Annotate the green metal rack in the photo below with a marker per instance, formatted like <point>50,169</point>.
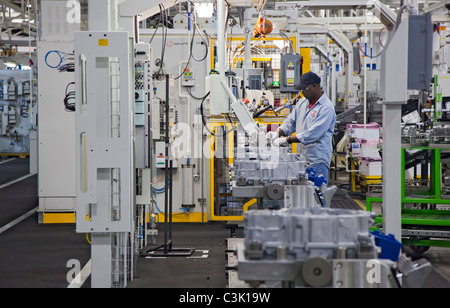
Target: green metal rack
<point>422,227</point>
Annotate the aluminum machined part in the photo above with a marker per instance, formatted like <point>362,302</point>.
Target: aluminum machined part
<point>277,177</point>
<point>439,136</point>
<point>312,247</point>
<point>300,196</point>
<point>317,272</point>
<point>307,232</point>
<point>268,165</point>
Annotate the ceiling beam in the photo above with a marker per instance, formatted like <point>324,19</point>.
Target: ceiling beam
<point>15,7</point>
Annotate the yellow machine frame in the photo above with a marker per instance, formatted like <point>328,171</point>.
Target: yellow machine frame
<point>306,53</point>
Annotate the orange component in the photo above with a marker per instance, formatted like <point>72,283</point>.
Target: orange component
<point>263,27</point>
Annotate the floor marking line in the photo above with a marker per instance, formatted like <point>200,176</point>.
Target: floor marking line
<point>361,205</point>
<point>17,220</point>
<point>8,160</point>
<point>81,277</point>
<point>17,180</point>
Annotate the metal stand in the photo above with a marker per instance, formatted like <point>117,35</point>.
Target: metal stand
<point>166,250</point>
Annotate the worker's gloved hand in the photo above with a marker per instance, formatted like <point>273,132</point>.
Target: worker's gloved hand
<point>280,141</point>
<point>271,136</point>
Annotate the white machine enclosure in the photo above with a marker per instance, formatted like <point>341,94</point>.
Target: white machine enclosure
<point>185,109</point>
<point>104,132</point>
<point>56,135</point>
<point>56,127</point>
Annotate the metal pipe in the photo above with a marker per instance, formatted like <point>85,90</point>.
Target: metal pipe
<point>248,37</point>
<point>202,172</point>
<point>221,38</point>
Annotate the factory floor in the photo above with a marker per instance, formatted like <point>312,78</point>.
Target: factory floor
<point>34,255</point>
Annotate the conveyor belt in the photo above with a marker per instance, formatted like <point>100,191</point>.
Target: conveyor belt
<point>342,201</point>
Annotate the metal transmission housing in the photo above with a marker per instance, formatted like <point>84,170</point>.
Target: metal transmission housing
<point>311,247</point>
<point>256,165</point>
<point>307,232</point>
<point>278,178</point>
<point>265,172</point>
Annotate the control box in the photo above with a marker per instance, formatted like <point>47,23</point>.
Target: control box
<point>188,78</point>
<point>160,155</point>
<point>290,72</point>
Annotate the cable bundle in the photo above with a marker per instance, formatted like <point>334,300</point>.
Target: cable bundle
<point>66,61</point>
<point>69,96</point>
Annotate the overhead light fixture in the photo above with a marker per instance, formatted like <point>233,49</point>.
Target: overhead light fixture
<point>204,10</point>
<point>10,64</point>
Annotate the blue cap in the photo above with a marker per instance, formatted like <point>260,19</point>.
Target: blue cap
<point>306,80</point>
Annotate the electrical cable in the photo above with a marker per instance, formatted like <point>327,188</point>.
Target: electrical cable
<point>193,96</point>
<point>156,30</point>
<point>159,210</point>
<point>379,37</point>
<point>60,58</point>
<point>203,116</point>
<point>164,20</point>
<point>156,205</point>
<point>204,119</point>
<point>69,107</point>
<point>291,46</point>
<point>164,40</point>
<point>397,24</point>
<point>195,25</point>
<point>63,56</point>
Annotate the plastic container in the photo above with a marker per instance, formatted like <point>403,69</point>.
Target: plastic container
<point>370,167</point>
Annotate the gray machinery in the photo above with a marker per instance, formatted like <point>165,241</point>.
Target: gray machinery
<point>252,78</point>
<point>406,65</point>
<point>294,240</point>
<point>277,177</point>
<point>261,174</point>
<point>319,247</point>
<point>110,74</point>
<point>106,171</point>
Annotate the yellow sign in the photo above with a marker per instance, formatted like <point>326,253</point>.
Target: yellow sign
<point>103,43</point>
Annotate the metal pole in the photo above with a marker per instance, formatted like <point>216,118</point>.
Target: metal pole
<point>392,200</point>
<point>101,243</point>
<point>248,38</point>
<point>166,166</point>
<point>365,75</point>
<point>170,205</point>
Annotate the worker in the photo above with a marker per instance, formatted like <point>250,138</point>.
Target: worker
<point>312,120</point>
